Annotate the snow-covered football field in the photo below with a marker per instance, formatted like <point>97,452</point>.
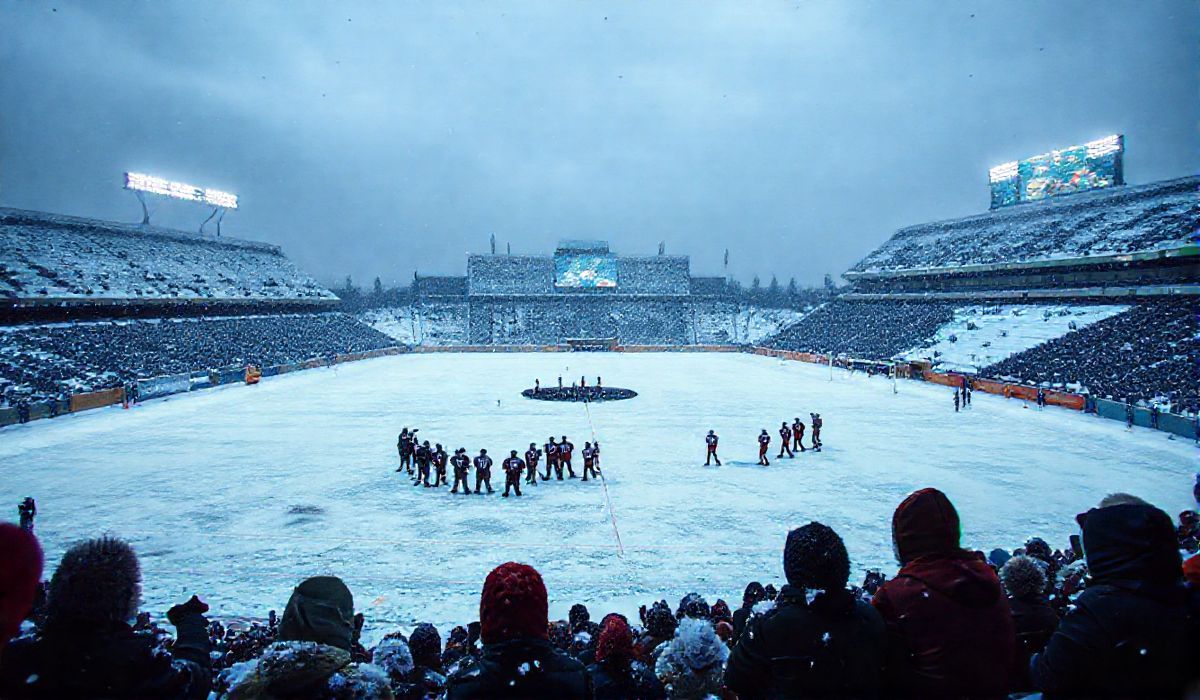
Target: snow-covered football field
<point>240,492</point>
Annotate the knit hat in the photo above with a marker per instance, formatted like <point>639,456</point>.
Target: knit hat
<point>720,611</point>
<point>578,616</point>
<point>694,605</point>
<point>320,610</point>
<point>998,557</point>
<point>659,621</point>
<point>815,557</point>
<point>97,583</point>
<point>1191,569</point>
<point>393,655</point>
<point>754,593</point>
<point>1022,577</point>
<point>426,646</point>
<point>19,577</point>
<point>925,523</point>
<point>616,641</point>
<point>513,604</point>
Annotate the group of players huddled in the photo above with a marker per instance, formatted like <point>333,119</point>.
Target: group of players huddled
<point>792,437</point>
<point>423,462</point>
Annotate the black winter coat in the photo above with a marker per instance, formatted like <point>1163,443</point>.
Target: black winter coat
<point>740,616</point>
<point>833,647</point>
<point>521,668</point>
<point>624,681</point>
<point>111,663</point>
<point>1035,621</point>
<point>1130,633</point>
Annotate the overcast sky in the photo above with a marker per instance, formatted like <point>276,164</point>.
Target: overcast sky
<point>375,138</point>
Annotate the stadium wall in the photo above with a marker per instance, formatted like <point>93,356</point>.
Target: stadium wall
<point>159,387</point>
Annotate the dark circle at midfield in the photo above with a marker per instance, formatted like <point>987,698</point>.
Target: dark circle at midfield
<point>591,394</point>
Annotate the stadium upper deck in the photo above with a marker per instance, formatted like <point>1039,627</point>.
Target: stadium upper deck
<point>51,259</point>
<point>1144,221</point>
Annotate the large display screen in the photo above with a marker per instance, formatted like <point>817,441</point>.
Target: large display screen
<point>1093,165</point>
<point>583,270</point>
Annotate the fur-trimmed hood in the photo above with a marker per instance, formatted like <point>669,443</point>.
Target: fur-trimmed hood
<point>692,663</point>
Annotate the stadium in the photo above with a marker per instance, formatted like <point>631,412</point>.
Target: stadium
<point>155,329</point>
<point>965,469</point>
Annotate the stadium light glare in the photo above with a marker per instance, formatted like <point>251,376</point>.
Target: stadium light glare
<point>141,182</point>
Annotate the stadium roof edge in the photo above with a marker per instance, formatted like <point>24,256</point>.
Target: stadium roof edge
<point>26,217</point>
<point>1108,293</point>
<point>1070,201</point>
<point>1184,251</point>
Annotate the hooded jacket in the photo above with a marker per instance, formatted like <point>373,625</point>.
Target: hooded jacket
<point>310,670</point>
<point>831,647</point>
<point>1129,634</point>
<point>950,632</point>
<point>692,665</point>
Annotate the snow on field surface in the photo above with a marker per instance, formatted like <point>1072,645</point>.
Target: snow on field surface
<point>1003,330</point>
<point>240,492</point>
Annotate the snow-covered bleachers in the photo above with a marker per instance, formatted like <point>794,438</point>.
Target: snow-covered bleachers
<point>875,330</point>
<point>1104,222</point>
<point>59,359</point>
<point>984,334</point>
<point>54,257</point>
<point>1147,352</point>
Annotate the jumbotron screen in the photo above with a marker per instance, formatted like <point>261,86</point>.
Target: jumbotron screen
<point>1093,165</point>
<point>584,270</point>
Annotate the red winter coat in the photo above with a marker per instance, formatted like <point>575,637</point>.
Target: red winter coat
<point>950,631</point>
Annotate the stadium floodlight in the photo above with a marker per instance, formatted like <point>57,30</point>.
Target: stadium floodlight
<point>219,200</point>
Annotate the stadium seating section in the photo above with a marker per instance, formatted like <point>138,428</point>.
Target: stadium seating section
<point>1145,217</point>
<point>48,256</point>
<point>43,361</point>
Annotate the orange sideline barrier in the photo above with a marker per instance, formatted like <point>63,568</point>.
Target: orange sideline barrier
<point>96,399</point>
<point>253,374</point>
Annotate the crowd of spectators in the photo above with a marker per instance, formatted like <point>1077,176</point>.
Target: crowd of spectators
<point>49,256</point>
<point>1115,614</point>
<point>1148,353</point>
<point>869,330</point>
<point>42,362</point>
<point>1119,220</point>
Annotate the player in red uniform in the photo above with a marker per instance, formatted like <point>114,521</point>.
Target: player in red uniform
<point>711,440</point>
<point>552,460</point>
<point>589,461</point>
<point>764,441</point>
<point>532,455</point>
<point>798,435</point>
<point>565,448</point>
<point>785,436</point>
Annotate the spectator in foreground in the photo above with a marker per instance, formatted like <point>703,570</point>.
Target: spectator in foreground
<point>1033,617</point>
<point>312,658</point>
<point>616,675</point>
<point>517,660</point>
<point>20,578</point>
<point>832,646</point>
<point>87,647</point>
<point>691,665</point>
<point>950,632</point>
<point>1129,634</point>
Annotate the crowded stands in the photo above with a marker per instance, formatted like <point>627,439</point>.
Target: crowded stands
<point>1146,353</point>
<point>1114,614</point>
<point>870,330</point>
<point>39,362</point>
<point>54,257</point>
